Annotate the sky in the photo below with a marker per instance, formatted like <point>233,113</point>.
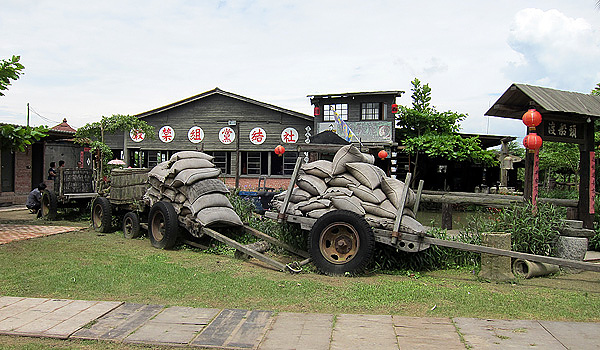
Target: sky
<point>87,59</point>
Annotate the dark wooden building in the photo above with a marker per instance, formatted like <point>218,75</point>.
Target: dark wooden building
<point>367,114</point>
<point>241,133</point>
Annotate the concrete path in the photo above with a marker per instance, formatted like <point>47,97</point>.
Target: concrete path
<point>248,329</point>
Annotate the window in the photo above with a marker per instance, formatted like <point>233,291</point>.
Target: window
<point>222,160</point>
<point>370,111</point>
<point>284,164</point>
<point>156,157</point>
<point>289,162</point>
<point>340,108</point>
<point>255,163</point>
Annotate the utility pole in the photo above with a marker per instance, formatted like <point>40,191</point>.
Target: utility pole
<point>27,113</point>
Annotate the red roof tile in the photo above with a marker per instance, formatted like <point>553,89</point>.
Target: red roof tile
<point>64,127</point>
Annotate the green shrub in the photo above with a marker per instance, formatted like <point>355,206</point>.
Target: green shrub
<point>534,234</point>
<point>388,259</point>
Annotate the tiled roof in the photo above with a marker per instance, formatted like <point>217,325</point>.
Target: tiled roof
<point>64,127</point>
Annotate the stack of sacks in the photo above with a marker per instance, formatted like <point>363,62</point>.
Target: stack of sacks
<point>189,182</point>
<point>350,182</point>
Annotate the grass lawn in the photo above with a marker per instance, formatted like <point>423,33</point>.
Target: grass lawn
<point>87,265</point>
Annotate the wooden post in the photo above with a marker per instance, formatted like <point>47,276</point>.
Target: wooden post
<point>585,206</point>
<point>447,216</point>
<point>528,181</point>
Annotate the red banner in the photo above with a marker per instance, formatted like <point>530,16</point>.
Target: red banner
<point>592,181</point>
<point>536,178</point>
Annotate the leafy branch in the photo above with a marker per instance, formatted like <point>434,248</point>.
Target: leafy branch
<point>9,70</point>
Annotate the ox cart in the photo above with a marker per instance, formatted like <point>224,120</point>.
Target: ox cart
<point>342,241</point>
<point>73,188</point>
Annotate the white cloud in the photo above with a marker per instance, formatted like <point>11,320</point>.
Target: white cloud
<point>556,50</point>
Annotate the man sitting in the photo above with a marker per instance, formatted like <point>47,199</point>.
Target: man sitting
<point>34,199</point>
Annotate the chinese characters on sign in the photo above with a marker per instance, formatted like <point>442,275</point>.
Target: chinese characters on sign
<point>195,134</point>
<point>289,135</point>
<point>166,134</point>
<point>137,135</point>
<point>563,130</point>
<point>258,136</point>
<point>226,135</point>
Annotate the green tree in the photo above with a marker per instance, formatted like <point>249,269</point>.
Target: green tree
<point>596,90</point>
<point>559,158</point>
<point>92,134</point>
<point>16,137</point>
<point>9,70</point>
<point>425,131</point>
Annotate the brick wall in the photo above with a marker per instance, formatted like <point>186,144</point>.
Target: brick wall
<point>251,183</point>
<point>22,180</point>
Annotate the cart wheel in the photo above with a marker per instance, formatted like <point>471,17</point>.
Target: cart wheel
<point>131,225</point>
<point>101,214</point>
<point>49,204</point>
<point>341,242</point>
<point>163,226</point>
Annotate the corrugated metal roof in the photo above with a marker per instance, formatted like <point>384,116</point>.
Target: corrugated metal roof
<point>228,94</point>
<point>397,93</point>
<point>519,97</point>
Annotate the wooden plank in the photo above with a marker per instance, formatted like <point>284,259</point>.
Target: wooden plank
<point>275,241</point>
<point>174,325</point>
<point>230,242</point>
<point>64,329</point>
<point>235,328</point>
<point>20,306</point>
<point>502,252</point>
<point>119,323</point>
<point>50,320</point>
<point>290,189</point>
<point>419,193</point>
<point>31,315</point>
<point>400,213</point>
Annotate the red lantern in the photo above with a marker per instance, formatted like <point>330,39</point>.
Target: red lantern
<point>279,150</point>
<point>382,154</point>
<point>394,108</point>
<point>532,142</point>
<point>317,111</point>
<point>532,118</point>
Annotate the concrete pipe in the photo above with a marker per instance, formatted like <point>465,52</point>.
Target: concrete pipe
<point>528,269</point>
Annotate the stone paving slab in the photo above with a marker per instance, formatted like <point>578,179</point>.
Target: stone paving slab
<point>574,335</point>
<point>119,323</point>
<point>173,326</point>
<point>363,332</point>
<point>426,333</point>
<point>290,331</point>
<point>506,334</point>
<point>234,328</point>
<point>10,232</point>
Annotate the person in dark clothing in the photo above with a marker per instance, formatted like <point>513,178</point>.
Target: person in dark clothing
<point>34,199</point>
<point>52,171</point>
<point>61,164</point>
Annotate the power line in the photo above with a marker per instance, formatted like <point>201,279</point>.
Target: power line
<point>41,116</point>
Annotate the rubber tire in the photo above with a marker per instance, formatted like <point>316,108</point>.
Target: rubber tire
<point>49,205</point>
<point>163,214</point>
<point>131,225</point>
<point>366,240</point>
<point>101,214</point>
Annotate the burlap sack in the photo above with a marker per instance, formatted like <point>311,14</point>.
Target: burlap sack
<point>336,191</point>
<point>160,171</point>
<point>311,184</point>
<point>189,154</point>
<point>393,190</point>
<point>189,163</point>
<point>208,200</point>
<point>346,154</point>
<point>342,180</point>
<point>189,176</point>
<point>314,204</point>
<point>368,195</point>
<point>218,216</point>
<point>348,203</point>
<point>367,174</point>
<point>202,187</point>
<point>384,209</point>
<point>319,168</point>
<point>317,213</point>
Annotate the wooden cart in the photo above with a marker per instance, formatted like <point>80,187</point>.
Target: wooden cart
<point>343,242</point>
<point>125,201</point>
<point>73,188</point>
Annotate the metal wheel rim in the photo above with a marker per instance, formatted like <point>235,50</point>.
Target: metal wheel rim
<point>158,227</point>
<point>339,242</point>
<point>97,215</point>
